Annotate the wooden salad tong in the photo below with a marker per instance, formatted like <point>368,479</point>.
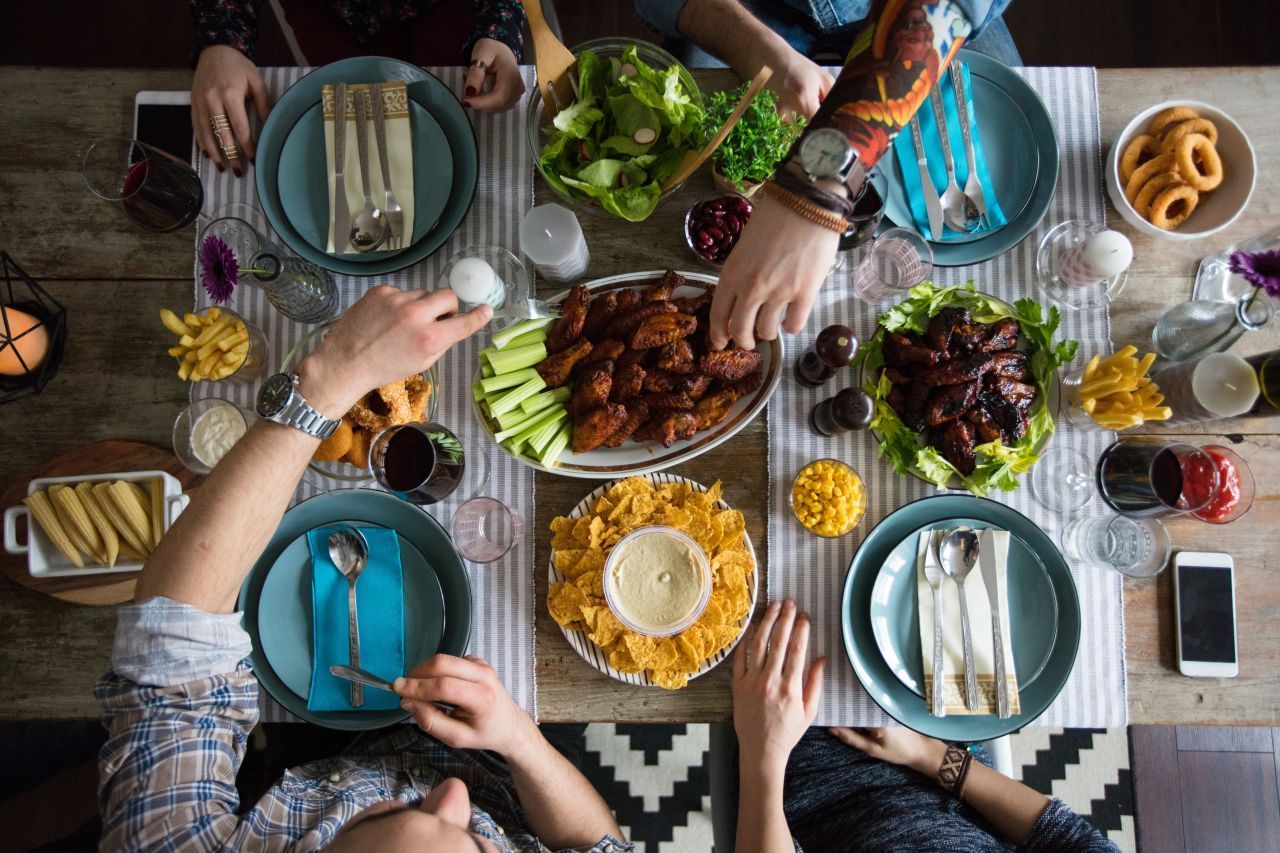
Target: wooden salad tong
<point>553,62</point>
<point>693,159</point>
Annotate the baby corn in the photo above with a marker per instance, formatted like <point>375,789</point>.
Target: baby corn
<point>45,516</point>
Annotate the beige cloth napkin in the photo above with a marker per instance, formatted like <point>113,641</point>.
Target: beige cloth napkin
<point>979,620</point>
<point>395,104</point>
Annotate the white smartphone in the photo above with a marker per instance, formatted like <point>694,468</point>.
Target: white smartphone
<point>1204,600</point>
<point>163,120</point>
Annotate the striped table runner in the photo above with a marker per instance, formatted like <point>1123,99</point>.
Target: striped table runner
<point>502,592</point>
<point>812,570</point>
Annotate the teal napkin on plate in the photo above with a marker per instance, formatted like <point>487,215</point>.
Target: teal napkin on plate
<point>380,611</point>
<point>905,151</point>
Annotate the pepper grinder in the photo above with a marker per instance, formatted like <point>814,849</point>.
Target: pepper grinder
<point>849,410</point>
<point>833,349</point>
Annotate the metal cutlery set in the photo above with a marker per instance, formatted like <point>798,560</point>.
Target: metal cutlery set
<point>963,211</point>
<point>953,553</point>
<point>374,227</point>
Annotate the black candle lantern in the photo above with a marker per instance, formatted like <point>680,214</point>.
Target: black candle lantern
<point>33,333</point>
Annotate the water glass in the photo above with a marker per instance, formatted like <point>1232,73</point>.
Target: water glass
<point>156,189</point>
<point>897,261</point>
<point>484,529</point>
<point>1137,547</point>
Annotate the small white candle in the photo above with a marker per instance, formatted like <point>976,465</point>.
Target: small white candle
<point>1219,385</point>
<point>551,237</point>
<point>1108,254</point>
<point>474,282</point>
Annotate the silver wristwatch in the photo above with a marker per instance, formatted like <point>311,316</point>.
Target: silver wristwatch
<point>280,400</point>
<point>827,153</point>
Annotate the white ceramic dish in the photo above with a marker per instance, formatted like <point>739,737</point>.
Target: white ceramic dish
<point>1216,209</point>
<point>638,458</point>
<point>44,560</point>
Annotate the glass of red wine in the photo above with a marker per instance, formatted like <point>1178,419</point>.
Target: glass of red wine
<point>422,463</point>
<point>156,189</point>
<point>1151,478</point>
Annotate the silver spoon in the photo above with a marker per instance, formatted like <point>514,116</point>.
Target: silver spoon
<point>369,231</point>
<point>958,554</point>
<point>956,206</point>
<point>350,553</point>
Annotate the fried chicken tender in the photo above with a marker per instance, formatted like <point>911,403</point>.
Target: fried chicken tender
<point>602,311</point>
<point>336,445</point>
<point>591,429</point>
<point>592,387</point>
<point>668,428</point>
<point>573,316</point>
<point>662,329</point>
<point>730,364</point>
<point>661,290</point>
<point>637,414</point>
<point>628,382</point>
<point>556,369</point>
<point>714,408</point>
<point>626,322</point>
<point>676,356</point>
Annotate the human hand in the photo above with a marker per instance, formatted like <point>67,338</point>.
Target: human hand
<point>776,268</point>
<point>897,745</point>
<point>225,78</point>
<point>385,336</point>
<point>492,58</point>
<point>484,715</point>
<point>800,84</point>
<point>775,694</point>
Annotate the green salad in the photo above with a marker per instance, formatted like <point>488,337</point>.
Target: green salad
<point>623,136</point>
<point>998,465</point>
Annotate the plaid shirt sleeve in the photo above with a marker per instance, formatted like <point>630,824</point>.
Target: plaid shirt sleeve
<point>178,706</point>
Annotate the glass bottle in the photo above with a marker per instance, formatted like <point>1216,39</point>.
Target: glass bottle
<point>1203,326</point>
<point>1267,364</point>
<point>299,289</point>
<point>1215,280</point>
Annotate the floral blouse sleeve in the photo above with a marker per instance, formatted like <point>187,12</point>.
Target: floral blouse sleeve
<point>501,20</point>
<point>230,22</point>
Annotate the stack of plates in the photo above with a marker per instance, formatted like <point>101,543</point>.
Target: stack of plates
<point>291,167</point>
<point>1021,150</point>
<point>879,615</point>
<point>276,598</point>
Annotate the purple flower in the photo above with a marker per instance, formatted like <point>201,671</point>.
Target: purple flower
<point>219,269</point>
<point>1261,269</point>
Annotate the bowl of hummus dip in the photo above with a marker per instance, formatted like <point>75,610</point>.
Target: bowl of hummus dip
<point>657,581</point>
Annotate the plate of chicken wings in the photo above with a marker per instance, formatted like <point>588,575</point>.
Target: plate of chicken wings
<point>647,391</point>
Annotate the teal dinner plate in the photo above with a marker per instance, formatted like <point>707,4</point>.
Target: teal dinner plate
<point>354,506</point>
<point>306,201</point>
<point>877,677</point>
<point>286,637</point>
<point>1021,148</point>
<point>427,91</point>
<point>895,608</point>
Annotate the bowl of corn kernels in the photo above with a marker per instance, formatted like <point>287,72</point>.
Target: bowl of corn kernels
<point>828,498</point>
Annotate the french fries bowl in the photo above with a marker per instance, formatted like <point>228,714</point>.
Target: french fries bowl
<point>1113,392</point>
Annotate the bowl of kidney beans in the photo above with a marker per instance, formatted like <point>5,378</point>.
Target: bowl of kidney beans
<point>713,224</point>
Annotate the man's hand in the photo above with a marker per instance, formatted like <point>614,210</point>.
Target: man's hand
<point>484,715</point>
<point>775,270</point>
<point>775,692</point>
<point>798,82</point>
<point>387,335</point>
<point>225,79</point>
<point>896,745</point>
<point>491,59</point>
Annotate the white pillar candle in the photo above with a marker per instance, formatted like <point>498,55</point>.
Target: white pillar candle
<point>1101,257</point>
<point>474,282</point>
<point>1219,385</point>
<point>551,237</point>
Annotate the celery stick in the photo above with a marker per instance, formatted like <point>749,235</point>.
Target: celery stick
<point>507,380</point>
<point>514,418</point>
<point>525,426</point>
<point>502,338</point>
<point>477,393</point>
<point>515,445</point>
<point>537,336</point>
<point>516,396</point>
<point>546,398</point>
<point>486,369</point>
<point>556,446</point>
<point>517,358</point>
<point>539,440</point>
<point>529,428</point>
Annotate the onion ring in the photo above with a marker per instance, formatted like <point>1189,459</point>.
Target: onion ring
<point>1144,173</point>
<point>1166,199</point>
<point>1150,189</point>
<point>1164,118</point>
<point>1132,157</point>
<point>1203,126</point>
<point>384,407</point>
<point>1188,147</point>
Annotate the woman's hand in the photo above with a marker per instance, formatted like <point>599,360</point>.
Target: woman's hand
<point>799,83</point>
<point>896,745</point>
<point>225,79</point>
<point>484,715</point>
<point>491,59</point>
<point>775,270</point>
<point>775,692</point>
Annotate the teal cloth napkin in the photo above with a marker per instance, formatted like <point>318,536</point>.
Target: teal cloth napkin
<point>905,151</point>
<point>380,611</point>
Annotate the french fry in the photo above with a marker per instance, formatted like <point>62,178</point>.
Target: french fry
<point>1091,369</point>
<point>192,320</point>
<point>173,324</point>
<point>44,515</point>
<point>102,491</point>
<point>1128,351</point>
<point>184,370</point>
<point>186,341</point>
<point>157,510</point>
<point>1117,392</point>
<point>107,532</point>
<point>214,313</point>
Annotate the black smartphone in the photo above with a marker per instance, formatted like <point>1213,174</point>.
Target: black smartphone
<point>163,120</point>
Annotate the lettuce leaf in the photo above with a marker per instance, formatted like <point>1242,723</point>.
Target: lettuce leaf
<point>602,173</point>
<point>577,120</point>
<point>632,203</point>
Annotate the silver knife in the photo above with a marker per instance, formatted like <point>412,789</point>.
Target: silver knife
<point>360,676</point>
<point>932,204</point>
<point>341,216</point>
<point>987,565</point>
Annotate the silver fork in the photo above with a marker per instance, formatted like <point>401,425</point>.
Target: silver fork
<point>530,309</point>
<point>390,207</point>
<point>972,186</point>
<point>954,204</point>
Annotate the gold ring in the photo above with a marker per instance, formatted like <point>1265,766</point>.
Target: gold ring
<point>484,66</point>
<point>220,122</point>
<point>231,152</point>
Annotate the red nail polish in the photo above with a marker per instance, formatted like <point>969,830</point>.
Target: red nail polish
<point>471,92</point>
<point>221,168</point>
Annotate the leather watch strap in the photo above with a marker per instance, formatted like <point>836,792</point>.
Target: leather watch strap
<point>838,203</point>
<point>806,208</point>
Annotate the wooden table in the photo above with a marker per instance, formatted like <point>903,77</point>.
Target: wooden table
<point>116,381</point>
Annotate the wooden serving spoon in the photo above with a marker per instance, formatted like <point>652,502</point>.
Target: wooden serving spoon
<point>693,159</point>
<point>553,62</point>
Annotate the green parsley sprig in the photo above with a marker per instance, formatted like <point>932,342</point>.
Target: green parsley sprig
<point>757,143</point>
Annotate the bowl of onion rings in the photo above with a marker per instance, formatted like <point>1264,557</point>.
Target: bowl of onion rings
<point>1181,170</point>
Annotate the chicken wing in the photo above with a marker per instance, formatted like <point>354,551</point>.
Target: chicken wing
<point>696,304</point>
<point>625,323</point>
<point>602,310</point>
<point>556,369</point>
<point>662,329</point>
<point>676,356</point>
<point>637,414</point>
<point>628,382</point>
<point>957,445</point>
<point>661,290</point>
<point>674,402</point>
<point>668,428</point>
<point>696,385</point>
<point>714,408</point>
<point>902,351</point>
<point>591,388</point>
<point>748,384</point>
<point>1003,335</point>
<point>950,402</point>
<point>573,315</point>
<point>730,364</point>
<point>592,428</point>
<point>604,350</point>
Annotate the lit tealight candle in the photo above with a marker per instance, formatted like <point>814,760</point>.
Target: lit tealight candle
<point>474,282</point>
<point>21,335</point>
<point>1100,258</point>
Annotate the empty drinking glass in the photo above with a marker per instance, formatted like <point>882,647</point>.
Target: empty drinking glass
<point>1137,547</point>
<point>157,190</point>
<point>485,529</point>
<point>897,261</point>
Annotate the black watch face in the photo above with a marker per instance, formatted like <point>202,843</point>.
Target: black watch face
<point>274,395</point>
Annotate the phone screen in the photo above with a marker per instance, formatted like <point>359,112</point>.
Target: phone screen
<point>167,127</point>
<point>1206,614</point>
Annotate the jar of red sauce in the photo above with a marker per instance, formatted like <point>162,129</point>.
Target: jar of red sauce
<point>1235,486</point>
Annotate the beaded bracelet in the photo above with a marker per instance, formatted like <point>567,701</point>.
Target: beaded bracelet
<point>806,208</point>
<point>955,769</point>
